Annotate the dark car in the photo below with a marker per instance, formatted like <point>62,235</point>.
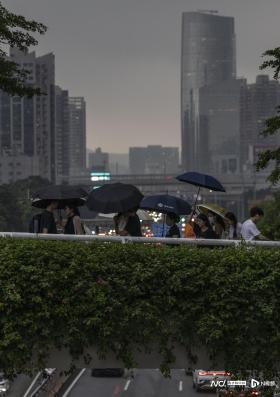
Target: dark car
<point>108,372</point>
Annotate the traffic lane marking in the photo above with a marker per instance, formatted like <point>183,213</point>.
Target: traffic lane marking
<point>127,385</point>
<point>181,385</point>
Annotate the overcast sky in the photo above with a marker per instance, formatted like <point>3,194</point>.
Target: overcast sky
<point>123,56</point>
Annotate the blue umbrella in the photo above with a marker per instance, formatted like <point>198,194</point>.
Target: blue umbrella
<point>165,203</point>
<point>201,180</point>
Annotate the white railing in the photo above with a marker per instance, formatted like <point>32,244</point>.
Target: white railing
<point>122,239</point>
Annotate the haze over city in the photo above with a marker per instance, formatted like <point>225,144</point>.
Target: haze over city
<point>123,56</point>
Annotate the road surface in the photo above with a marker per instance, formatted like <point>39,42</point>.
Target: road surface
<point>146,383</point>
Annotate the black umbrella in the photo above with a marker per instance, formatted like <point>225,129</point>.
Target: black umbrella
<point>114,197</point>
<point>165,203</point>
<point>64,194</point>
<point>201,180</point>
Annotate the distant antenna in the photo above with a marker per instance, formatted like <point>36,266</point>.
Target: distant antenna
<point>209,11</point>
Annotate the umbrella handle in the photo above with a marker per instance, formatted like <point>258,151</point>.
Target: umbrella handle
<point>163,226</point>
<point>195,202</point>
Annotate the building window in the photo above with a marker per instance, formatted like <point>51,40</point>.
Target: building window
<point>224,166</point>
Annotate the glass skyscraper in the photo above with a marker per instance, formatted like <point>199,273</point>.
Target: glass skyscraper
<point>207,58</point>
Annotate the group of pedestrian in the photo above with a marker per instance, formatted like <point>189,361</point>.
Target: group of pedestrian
<point>45,222</point>
<point>206,226</point>
<point>214,226</point>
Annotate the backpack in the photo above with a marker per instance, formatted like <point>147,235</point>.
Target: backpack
<point>35,224</point>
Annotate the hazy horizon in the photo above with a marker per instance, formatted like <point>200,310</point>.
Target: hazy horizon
<point>123,56</point>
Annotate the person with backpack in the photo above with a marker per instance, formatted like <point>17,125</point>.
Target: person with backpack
<point>73,224</point>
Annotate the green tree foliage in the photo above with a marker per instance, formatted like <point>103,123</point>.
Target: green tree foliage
<point>15,32</point>
<point>272,124</point>
<point>123,297</point>
<point>16,210</point>
<point>270,224</point>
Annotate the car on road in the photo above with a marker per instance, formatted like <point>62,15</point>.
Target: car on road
<point>209,380</point>
<point>112,372</point>
<point>4,385</point>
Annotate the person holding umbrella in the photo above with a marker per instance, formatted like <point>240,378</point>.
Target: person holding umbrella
<point>51,198</point>
<point>167,205</point>
<point>217,223</point>
<point>171,220</point>
<point>47,221</point>
<point>205,229</point>
<point>121,198</point>
<point>73,224</point>
<point>128,223</point>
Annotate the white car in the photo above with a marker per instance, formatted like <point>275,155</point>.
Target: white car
<point>4,385</point>
<point>209,380</point>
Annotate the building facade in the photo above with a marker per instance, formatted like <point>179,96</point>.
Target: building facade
<point>220,108</point>
<point>207,58</point>
<point>98,161</point>
<point>77,134</point>
<point>27,125</point>
<point>62,134</point>
<point>260,103</point>
<point>153,159</point>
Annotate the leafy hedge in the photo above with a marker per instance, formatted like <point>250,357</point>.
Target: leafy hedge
<point>118,296</point>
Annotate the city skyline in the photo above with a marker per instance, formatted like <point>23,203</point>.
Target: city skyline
<point>124,58</point>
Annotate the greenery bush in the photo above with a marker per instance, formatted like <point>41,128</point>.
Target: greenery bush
<point>118,296</point>
<point>270,224</point>
<point>16,210</point>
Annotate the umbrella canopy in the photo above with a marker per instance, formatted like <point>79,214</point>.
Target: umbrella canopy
<point>114,197</point>
<point>65,194</point>
<point>142,214</point>
<point>165,203</point>
<point>213,208</point>
<point>201,180</point>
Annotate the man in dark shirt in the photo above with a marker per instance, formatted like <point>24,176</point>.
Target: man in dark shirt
<point>47,222</point>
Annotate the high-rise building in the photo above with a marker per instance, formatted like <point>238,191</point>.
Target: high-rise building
<point>77,137</point>
<point>261,101</point>
<point>27,125</point>
<point>154,159</point>
<point>207,58</point>
<point>62,134</point>
<point>119,163</point>
<point>220,108</point>
<point>137,160</point>
<point>99,161</point>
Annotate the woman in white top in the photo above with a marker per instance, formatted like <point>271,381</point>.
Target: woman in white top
<point>233,227</point>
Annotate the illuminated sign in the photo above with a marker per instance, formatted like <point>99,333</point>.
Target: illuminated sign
<point>100,176</point>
